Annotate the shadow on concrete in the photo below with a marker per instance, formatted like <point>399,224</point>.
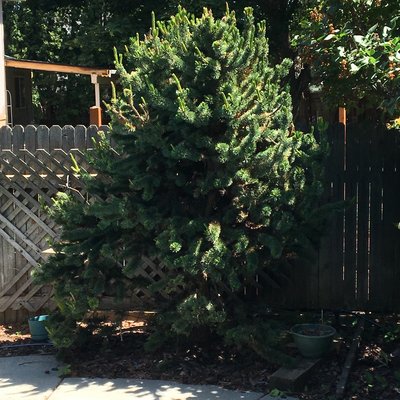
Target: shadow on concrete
<point>135,389</point>
<point>36,378</point>
<point>28,377</point>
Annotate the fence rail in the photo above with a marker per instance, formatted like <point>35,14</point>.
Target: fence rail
<point>358,262</point>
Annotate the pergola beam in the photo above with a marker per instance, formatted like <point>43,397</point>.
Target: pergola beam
<point>60,68</point>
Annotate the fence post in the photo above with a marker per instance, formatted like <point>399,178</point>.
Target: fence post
<point>95,116</point>
<point>342,115</point>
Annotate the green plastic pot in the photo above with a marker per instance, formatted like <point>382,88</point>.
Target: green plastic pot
<point>313,340</point>
<point>38,329</point>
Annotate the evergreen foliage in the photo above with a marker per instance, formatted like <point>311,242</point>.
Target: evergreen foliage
<point>211,178</point>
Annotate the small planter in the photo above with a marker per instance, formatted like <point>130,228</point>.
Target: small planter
<point>313,340</point>
<point>38,329</point>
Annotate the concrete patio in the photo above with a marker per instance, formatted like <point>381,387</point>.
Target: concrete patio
<point>36,378</point>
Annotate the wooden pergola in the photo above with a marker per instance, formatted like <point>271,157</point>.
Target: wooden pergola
<point>95,74</point>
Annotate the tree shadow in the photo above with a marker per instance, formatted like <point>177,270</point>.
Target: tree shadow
<point>28,376</point>
<point>148,390</point>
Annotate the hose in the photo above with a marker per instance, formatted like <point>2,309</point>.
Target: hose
<point>13,346</point>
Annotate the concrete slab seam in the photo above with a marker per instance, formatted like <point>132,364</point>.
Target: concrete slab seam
<point>57,386</point>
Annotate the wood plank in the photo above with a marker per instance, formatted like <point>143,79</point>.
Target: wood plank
<point>390,231</point>
<point>10,258</point>
<point>331,252</point>
<point>363,215</point>
<point>27,306</point>
<point>10,316</point>
<point>43,137</point>
<point>29,212</point>
<point>3,263</point>
<point>38,304</point>
<point>80,137</point>
<point>106,130</point>
<point>26,164</point>
<point>30,145</point>
<point>57,170</point>
<point>42,167</point>
<point>32,292</point>
<point>350,226</point>
<point>20,259</point>
<point>71,181</point>
<point>5,137</point>
<point>30,138</point>
<point>378,275</point>
<point>55,136</point>
<point>19,304</point>
<point>68,133</point>
<point>58,161</point>
<point>11,299</point>
<point>26,179</point>
<point>14,280</point>
<point>18,137</point>
<point>18,247</point>
<point>29,200</point>
<point>396,218</point>
<point>55,67</point>
<point>91,135</point>
<point>6,223</point>
<point>80,158</point>
<point>43,235</point>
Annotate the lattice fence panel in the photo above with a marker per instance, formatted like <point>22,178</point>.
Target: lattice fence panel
<point>35,164</point>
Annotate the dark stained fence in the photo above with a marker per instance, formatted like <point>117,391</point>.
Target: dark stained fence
<point>358,261</point>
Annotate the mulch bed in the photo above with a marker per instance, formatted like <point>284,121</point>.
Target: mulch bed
<point>376,373</point>
<point>15,340</point>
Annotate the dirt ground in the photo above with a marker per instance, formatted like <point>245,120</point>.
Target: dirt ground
<point>15,337</point>
<point>375,375</point>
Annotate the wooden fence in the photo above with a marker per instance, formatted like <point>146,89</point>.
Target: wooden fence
<point>358,263</point>
<point>35,164</point>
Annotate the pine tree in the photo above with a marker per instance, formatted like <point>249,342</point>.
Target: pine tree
<point>211,178</point>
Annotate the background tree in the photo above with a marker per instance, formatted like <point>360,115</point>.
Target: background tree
<point>85,32</point>
<point>70,32</point>
<point>211,178</point>
<point>353,49</point>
